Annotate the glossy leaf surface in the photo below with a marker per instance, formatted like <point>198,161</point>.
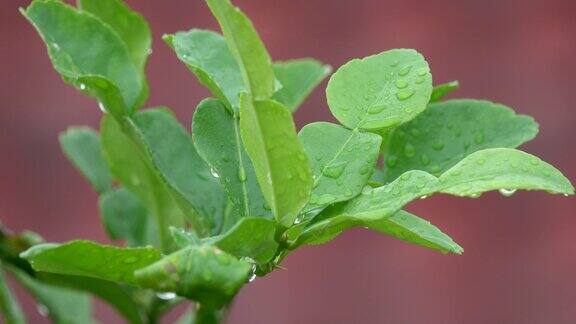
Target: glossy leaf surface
<point>298,79</point>
<point>207,55</point>
<point>342,161</point>
<point>131,167</point>
<point>82,147</point>
<point>449,131</point>
<point>88,54</point>
<point>128,24</point>
<point>89,259</point>
<point>247,48</point>
<point>205,274</point>
<point>251,237</point>
<point>170,150</point>
<point>125,218</point>
<point>410,228</point>
<point>217,139</point>
<point>486,170</point>
<point>281,166</point>
<point>379,91</point>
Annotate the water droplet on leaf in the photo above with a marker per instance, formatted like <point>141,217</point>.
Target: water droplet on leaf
<point>334,171</point>
<point>422,71</point>
<point>401,84</point>
<point>409,150</point>
<point>42,310</point>
<point>479,138</point>
<point>102,108</point>
<point>241,174</point>
<point>405,70</point>
<point>424,159</point>
<point>506,192</point>
<point>252,275</point>
<point>131,259</point>
<point>437,145</point>
<point>404,94</point>
<point>391,161</point>
<point>166,295</point>
<point>376,109</point>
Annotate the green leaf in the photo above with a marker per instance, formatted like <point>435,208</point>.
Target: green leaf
<point>207,55</point>
<point>125,218</point>
<point>281,166</point>
<point>298,79</point>
<point>379,91</point>
<point>82,147</point>
<point>64,306</point>
<point>444,89</point>
<point>204,274</point>
<point>253,238</point>
<point>250,237</point>
<point>246,46</point>
<point>448,131</point>
<point>342,160</point>
<point>410,228</point>
<point>128,24</point>
<point>131,167</point>
<point>88,54</point>
<point>217,139</point>
<point>110,292</point>
<point>89,259</point>
<point>184,238</point>
<point>501,169</point>
<point>9,307</point>
<point>170,149</point>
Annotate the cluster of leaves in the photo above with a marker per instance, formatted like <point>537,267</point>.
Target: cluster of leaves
<point>202,215</point>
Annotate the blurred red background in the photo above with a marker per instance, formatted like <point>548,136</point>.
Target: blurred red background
<point>520,259</point>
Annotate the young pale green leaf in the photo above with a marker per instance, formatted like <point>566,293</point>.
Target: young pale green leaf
<point>89,259</point>
<point>379,91</point>
<point>10,310</point>
<point>247,48</point>
<point>125,218</point>
<point>501,169</point>
<point>82,147</point>
<point>371,206</point>
<point>63,306</point>
<point>134,170</point>
<point>112,293</point>
<point>448,131</point>
<point>217,139</point>
<point>281,166</point>
<point>298,79</point>
<point>410,228</point>
<point>202,273</point>
<point>442,90</point>
<point>170,150</point>
<point>128,24</point>
<point>250,237</point>
<point>207,55</point>
<point>342,161</point>
<point>88,54</point>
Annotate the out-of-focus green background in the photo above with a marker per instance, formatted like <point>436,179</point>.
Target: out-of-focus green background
<point>520,259</point>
